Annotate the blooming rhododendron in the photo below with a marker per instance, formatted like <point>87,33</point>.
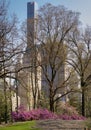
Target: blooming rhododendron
<point>41,114</point>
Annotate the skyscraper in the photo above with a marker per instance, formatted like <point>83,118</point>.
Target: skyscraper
<point>32,18</point>
<point>29,76</point>
<point>32,22</point>
<point>32,10</point>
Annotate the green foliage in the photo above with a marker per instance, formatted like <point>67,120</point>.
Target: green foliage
<point>88,124</point>
<point>75,102</point>
<point>2,104</point>
<point>44,101</point>
<point>88,108</point>
<point>2,107</point>
<point>66,108</point>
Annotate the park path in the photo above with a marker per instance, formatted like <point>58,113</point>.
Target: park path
<point>60,125</point>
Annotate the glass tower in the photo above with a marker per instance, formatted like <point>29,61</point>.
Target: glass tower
<point>32,18</point>
<point>32,10</point>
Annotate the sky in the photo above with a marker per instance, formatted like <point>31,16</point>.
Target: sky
<point>19,7</point>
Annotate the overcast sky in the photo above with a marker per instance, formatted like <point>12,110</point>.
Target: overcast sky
<point>83,6</point>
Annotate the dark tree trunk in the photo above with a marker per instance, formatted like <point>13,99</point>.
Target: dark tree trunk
<point>34,103</point>
<point>11,119</point>
<point>83,103</point>
<point>17,93</point>
<point>6,113</point>
<point>51,105</point>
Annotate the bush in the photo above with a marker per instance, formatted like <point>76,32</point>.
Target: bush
<point>66,108</point>
<point>41,114</point>
<point>36,114</point>
<point>72,117</point>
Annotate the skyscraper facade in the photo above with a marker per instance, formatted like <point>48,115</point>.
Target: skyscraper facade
<point>32,10</point>
<point>32,22</point>
<point>30,85</point>
<point>32,18</point>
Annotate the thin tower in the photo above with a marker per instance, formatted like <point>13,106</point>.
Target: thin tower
<point>32,18</point>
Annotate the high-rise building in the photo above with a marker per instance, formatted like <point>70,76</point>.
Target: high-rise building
<point>32,22</point>
<point>32,10</point>
<point>32,18</point>
<point>30,77</point>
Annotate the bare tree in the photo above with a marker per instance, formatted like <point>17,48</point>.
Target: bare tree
<point>55,22</point>
<point>79,44</point>
<point>30,65</point>
<point>9,46</point>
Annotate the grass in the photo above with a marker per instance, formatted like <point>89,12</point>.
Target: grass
<point>28,125</point>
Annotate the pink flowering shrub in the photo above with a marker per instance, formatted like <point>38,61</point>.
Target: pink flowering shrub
<point>41,114</point>
<point>35,114</point>
<point>72,117</point>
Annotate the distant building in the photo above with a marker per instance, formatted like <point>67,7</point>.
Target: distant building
<point>32,19</point>
<point>30,78</point>
<point>14,101</point>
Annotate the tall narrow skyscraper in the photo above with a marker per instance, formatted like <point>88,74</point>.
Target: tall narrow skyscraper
<point>28,77</point>
<point>32,22</point>
<point>32,18</point>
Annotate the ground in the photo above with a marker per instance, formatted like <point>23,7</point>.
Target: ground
<point>46,125</point>
<point>61,125</point>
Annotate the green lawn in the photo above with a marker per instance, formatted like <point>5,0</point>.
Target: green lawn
<point>29,125</point>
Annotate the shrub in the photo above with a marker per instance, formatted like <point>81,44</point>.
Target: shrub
<point>72,117</point>
<point>41,114</point>
<point>66,108</point>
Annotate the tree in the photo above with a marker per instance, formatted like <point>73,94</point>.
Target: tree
<point>55,22</point>
<point>30,65</point>
<point>3,103</point>
<point>1,106</point>
<point>74,99</point>
<point>79,44</point>
<point>9,46</point>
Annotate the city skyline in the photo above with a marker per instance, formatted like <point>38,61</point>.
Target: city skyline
<point>19,8</point>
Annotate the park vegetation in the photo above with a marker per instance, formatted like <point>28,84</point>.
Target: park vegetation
<point>64,46</point>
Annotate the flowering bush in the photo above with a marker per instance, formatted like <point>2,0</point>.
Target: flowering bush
<point>66,108</point>
<point>41,114</point>
<point>34,114</point>
<point>72,117</point>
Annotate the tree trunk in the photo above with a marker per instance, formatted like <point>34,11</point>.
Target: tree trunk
<point>5,94</point>
<point>51,105</point>
<point>17,93</point>
<point>83,103</point>
<point>5,113</point>
<point>0,119</point>
<point>34,102</point>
